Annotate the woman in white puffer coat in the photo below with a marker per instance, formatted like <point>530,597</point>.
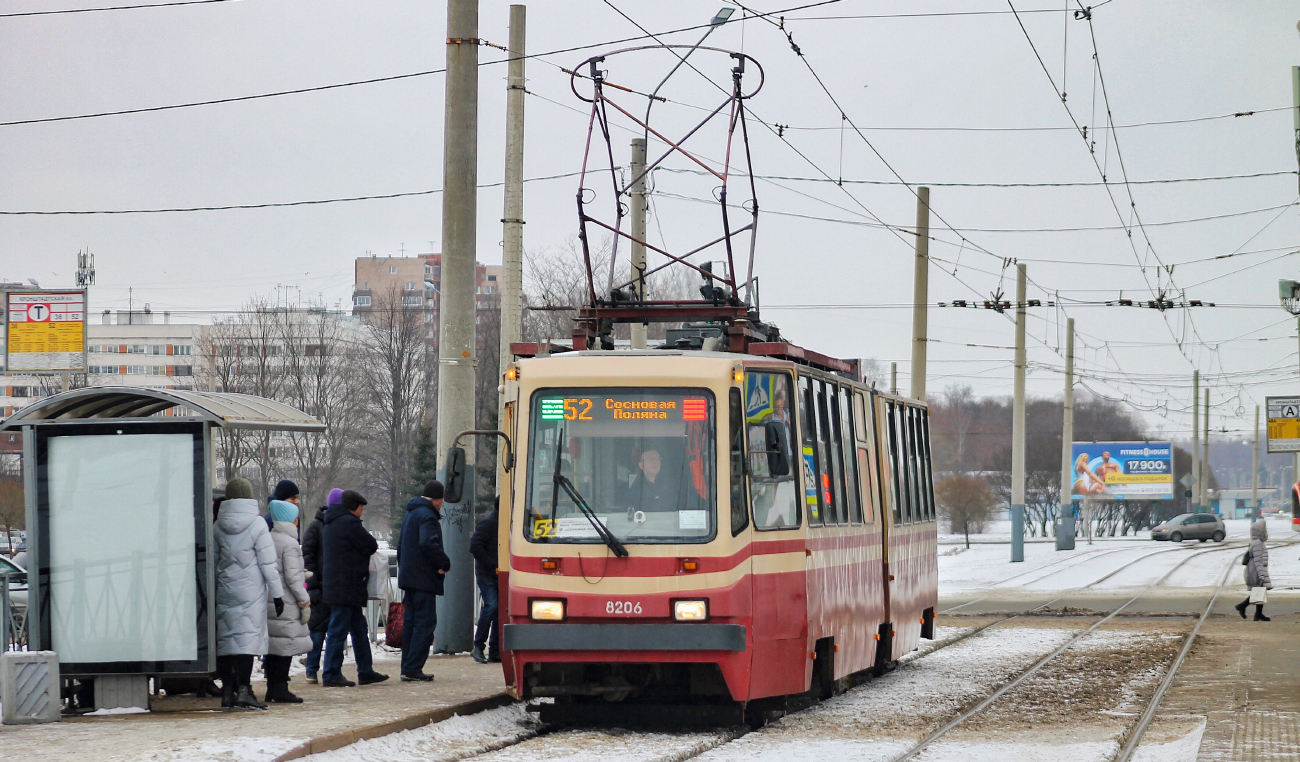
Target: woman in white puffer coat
<point>246,578</point>
<point>288,627</point>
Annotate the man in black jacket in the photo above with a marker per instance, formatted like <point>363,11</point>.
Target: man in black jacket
<point>421,566</point>
<point>313,560</point>
<point>347,550</point>
<point>483,546</point>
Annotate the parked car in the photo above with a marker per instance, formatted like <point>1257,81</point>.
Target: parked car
<point>17,584</point>
<point>1191,526</point>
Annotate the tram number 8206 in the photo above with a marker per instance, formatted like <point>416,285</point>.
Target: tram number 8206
<point>622,607</point>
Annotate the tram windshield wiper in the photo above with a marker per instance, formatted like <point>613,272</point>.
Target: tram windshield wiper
<point>560,481</point>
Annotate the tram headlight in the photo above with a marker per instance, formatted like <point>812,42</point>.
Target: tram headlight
<point>547,611</point>
<point>690,611</point>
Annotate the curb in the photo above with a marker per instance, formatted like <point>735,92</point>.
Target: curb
<point>411,722</point>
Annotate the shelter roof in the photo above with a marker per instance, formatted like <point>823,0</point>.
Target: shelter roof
<point>238,411</point>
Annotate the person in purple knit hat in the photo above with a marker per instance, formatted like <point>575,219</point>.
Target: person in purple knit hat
<point>313,558</point>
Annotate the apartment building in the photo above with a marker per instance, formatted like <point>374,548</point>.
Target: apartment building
<point>418,281</point>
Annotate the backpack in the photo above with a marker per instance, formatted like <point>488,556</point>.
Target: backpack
<point>393,625</point>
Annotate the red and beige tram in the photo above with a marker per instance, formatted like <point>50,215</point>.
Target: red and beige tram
<point>701,535</point>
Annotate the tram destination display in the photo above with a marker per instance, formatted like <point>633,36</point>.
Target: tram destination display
<point>1122,470</point>
<point>45,331</point>
<point>1283,423</point>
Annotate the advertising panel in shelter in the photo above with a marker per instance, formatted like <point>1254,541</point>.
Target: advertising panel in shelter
<point>1122,470</point>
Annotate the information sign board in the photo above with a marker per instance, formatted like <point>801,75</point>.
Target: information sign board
<point>1283,423</point>
<point>45,331</point>
<point>1122,470</point>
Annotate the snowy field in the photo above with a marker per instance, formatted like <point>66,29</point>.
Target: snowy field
<point>1105,565</point>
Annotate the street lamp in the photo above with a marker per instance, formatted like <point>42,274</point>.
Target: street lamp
<point>718,20</point>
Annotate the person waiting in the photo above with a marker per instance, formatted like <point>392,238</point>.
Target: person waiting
<point>422,564</point>
<point>348,548</point>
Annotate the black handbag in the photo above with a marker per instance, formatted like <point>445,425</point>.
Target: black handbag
<point>1245,558</point>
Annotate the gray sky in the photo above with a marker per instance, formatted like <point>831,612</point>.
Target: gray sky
<point>1159,60</point>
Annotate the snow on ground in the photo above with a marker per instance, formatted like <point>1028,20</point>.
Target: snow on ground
<point>864,723</point>
<point>456,738</point>
<point>239,749</point>
<point>1184,749</point>
<point>614,745</point>
<point>987,566</point>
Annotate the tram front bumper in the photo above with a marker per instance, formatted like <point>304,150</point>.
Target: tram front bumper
<point>624,637</point>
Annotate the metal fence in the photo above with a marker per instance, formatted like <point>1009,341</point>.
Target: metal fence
<point>13,620</point>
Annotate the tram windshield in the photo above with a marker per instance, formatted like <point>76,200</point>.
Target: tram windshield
<point>642,459</point>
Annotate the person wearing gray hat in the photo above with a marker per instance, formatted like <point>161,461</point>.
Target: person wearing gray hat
<point>247,576</point>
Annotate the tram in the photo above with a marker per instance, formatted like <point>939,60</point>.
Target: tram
<point>707,536</point>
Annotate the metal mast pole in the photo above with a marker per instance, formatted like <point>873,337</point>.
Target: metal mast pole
<point>893,378</point>
<point>638,234</point>
<point>1065,521</point>
<point>512,255</point>
<point>1254,470</point>
<point>456,358</point>
<point>1018,428</point>
<point>1205,452</point>
<point>920,291</point>
<point>1196,441</point>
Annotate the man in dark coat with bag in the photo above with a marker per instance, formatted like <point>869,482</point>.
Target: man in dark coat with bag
<point>421,566</point>
<point>347,548</point>
<point>483,547</point>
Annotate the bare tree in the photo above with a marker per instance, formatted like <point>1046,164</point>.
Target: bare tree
<point>967,502</point>
<point>13,509</point>
<point>321,380</point>
<point>394,355</point>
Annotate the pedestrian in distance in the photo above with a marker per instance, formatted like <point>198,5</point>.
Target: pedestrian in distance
<point>313,558</point>
<point>1256,562</point>
<point>347,550</point>
<point>287,626</point>
<point>284,490</point>
<point>483,547</point>
<point>246,578</point>
<point>421,566</point>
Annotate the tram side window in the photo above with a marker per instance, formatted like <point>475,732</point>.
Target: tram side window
<point>918,469</point>
<point>844,439</point>
<point>895,483</point>
<point>866,455</point>
<point>739,506</point>
<point>913,482</point>
<point>830,460</point>
<point>926,462</point>
<point>775,499</point>
<point>905,465</point>
<point>808,453</point>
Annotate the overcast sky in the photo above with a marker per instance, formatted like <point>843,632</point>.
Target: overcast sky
<point>1159,61</point>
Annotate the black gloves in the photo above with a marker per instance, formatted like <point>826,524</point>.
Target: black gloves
<point>279,606</point>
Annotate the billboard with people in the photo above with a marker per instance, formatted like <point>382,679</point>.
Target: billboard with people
<point>1122,470</point>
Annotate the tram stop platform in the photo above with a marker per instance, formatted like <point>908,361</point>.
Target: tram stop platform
<point>1240,685</point>
<point>189,729</point>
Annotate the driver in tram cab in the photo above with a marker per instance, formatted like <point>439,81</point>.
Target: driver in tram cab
<point>649,490</point>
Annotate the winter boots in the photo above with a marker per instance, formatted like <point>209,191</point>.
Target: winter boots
<point>1241,607</point>
<point>278,693</point>
<point>478,656</point>
<point>244,699</point>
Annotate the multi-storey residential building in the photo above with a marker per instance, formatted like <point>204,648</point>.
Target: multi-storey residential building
<point>416,279</point>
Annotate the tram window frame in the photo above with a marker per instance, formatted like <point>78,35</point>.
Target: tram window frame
<point>739,486</point>
<point>757,467</point>
<point>852,479</point>
<point>808,447</point>
<point>905,463</point>
<point>918,470</point>
<point>829,456</point>
<point>864,422</point>
<point>913,466</point>
<point>928,463</point>
<point>896,490</point>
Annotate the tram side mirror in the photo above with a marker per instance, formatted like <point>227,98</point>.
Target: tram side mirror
<point>776,443</point>
<point>453,488</point>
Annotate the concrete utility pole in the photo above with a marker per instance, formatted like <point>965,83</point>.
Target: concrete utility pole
<point>1018,428</point>
<point>638,232</point>
<point>1196,441</point>
<point>512,219</point>
<point>1254,470</point>
<point>920,291</point>
<point>456,358</point>
<point>1065,521</point>
<point>893,378</point>
<point>1205,453</point>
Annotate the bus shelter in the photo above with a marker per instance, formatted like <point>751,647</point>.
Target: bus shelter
<point>118,485</point>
